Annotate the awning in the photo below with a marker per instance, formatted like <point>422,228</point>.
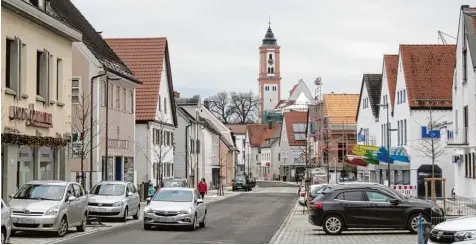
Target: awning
<point>355,160</point>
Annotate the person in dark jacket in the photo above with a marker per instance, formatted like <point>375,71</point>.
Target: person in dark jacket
<point>202,188</point>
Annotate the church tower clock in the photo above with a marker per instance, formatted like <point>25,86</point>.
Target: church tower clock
<point>269,73</point>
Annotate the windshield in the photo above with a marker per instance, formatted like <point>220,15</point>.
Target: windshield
<point>41,192</point>
<point>317,190</point>
<point>240,180</point>
<point>173,183</point>
<point>109,189</point>
<point>398,194</point>
<point>173,196</point>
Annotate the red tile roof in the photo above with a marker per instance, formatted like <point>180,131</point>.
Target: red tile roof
<point>295,117</point>
<point>145,57</point>
<point>391,68</point>
<point>428,71</point>
<point>259,133</point>
<point>237,128</point>
<point>474,21</point>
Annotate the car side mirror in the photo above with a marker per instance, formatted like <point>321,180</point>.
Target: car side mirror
<point>71,198</point>
<point>130,193</point>
<point>11,195</point>
<point>199,201</point>
<point>148,199</point>
<point>394,201</point>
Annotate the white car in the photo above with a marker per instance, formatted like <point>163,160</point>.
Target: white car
<point>6,223</point>
<point>302,193</point>
<point>456,231</point>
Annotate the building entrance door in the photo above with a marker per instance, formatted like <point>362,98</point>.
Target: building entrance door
<point>118,168</point>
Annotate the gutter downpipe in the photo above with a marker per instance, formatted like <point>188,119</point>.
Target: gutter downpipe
<point>186,152</point>
<point>91,122</point>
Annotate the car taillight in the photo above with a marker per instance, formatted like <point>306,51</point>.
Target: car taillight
<point>302,194</point>
<point>318,205</point>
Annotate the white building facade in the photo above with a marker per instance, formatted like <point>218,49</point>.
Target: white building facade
<point>462,141</point>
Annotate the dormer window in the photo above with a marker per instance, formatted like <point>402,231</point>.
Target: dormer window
<point>38,3</point>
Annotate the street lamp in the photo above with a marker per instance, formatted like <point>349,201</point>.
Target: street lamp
<point>386,106</point>
<point>107,123</point>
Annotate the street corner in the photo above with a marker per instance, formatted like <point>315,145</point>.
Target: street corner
<point>296,229</point>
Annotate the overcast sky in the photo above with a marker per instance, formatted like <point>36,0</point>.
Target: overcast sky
<point>214,43</point>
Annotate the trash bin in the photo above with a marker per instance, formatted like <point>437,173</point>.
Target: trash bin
<point>284,178</point>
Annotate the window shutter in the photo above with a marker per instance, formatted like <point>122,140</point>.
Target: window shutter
<point>16,66</point>
<point>153,136</point>
<point>192,146</point>
<point>198,146</point>
<point>50,78</point>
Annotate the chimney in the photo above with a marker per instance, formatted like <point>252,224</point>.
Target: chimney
<point>176,94</point>
<point>270,124</point>
<point>206,103</point>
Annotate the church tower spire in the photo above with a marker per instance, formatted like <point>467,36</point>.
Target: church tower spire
<point>269,73</point>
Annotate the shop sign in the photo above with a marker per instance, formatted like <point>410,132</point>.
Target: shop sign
<point>118,144</point>
<point>32,117</point>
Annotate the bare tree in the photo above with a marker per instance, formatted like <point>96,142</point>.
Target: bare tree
<point>219,105</point>
<point>432,147</point>
<point>244,107</point>
<point>86,133</point>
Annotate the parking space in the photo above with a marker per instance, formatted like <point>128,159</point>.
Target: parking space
<point>297,230</point>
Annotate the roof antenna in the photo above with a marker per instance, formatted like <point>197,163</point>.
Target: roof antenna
<point>269,21</point>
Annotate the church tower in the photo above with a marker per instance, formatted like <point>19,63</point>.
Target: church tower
<point>269,73</point>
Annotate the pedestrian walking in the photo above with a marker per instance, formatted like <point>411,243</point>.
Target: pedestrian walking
<point>150,191</point>
<point>202,188</point>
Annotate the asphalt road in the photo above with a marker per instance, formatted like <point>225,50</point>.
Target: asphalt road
<point>251,218</point>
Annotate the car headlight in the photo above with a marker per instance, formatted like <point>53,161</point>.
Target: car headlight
<point>148,210</point>
<point>118,204</point>
<point>465,236</point>
<point>186,211</point>
<point>437,210</point>
<point>53,211</point>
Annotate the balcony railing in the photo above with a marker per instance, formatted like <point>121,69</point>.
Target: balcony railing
<point>458,136</point>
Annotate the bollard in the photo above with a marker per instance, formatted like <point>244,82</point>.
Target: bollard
<point>424,230</point>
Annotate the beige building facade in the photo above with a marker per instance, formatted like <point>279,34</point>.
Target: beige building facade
<point>36,94</point>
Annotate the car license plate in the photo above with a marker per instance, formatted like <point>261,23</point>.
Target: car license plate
<point>97,209</point>
<point>25,221</point>
<point>166,220</point>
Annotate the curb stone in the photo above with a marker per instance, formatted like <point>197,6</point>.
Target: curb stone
<point>286,221</point>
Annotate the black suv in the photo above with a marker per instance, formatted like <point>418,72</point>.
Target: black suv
<point>241,182</point>
<point>339,207</point>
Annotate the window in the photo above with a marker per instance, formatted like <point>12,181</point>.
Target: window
<point>465,72</point>
<point>160,103</point>
<point>266,88</point>
<point>75,90</point>
<point>192,146</point>
<point>78,191</point>
<point>103,93</point>
<point>165,105</point>
<point>198,146</point>
<point>274,88</point>
<point>341,152</point>
<point>299,127</point>
<point>256,157</point>
<point>124,98</point>
<point>41,69</point>
<point>299,136</point>
<point>111,96</point>
<point>272,70</point>
<point>404,96</point>
<point>15,66</point>
<point>398,97</point>
<point>378,197</point>
<point>269,70</point>
<point>354,196</point>
<point>270,56</point>
<point>279,156</point>
<point>118,98</point>
<point>59,78</point>
<point>132,101</point>
<point>154,136</point>
<point>10,59</point>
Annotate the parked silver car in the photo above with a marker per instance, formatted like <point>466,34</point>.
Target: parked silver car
<point>175,207</point>
<point>114,199</point>
<point>6,223</point>
<point>49,205</point>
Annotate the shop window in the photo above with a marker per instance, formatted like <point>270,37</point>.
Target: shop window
<point>26,167</point>
<point>47,163</point>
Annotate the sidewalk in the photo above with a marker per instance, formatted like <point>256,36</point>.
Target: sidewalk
<point>42,238</point>
<point>297,230</point>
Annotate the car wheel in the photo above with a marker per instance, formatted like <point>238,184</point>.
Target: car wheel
<point>126,214</point>
<point>63,229</point>
<point>147,227</point>
<point>204,221</point>
<point>333,225</point>
<point>193,227</point>
<point>413,222</point>
<point>4,236</point>
<point>82,227</point>
<point>136,216</point>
